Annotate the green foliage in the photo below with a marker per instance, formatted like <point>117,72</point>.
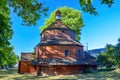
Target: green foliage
<point>117,52</point>
<point>8,57</point>
<point>101,59</point>
<point>107,2</point>
<point>107,58</point>
<point>29,10</point>
<point>89,70</point>
<point>5,26</point>
<point>70,17</point>
<point>111,57</point>
<point>5,32</point>
<point>88,7</point>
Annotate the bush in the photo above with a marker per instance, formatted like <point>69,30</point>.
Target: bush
<point>89,70</point>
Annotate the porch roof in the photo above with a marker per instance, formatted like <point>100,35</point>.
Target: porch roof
<point>62,61</point>
<point>59,42</point>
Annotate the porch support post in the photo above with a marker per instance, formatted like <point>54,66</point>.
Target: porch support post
<point>37,70</point>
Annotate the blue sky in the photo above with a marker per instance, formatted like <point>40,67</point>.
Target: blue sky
<point>97,32</point>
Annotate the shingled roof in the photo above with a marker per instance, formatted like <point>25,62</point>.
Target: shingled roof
<point>58,24</point>
<point>86,60</point>
<point>62,61</point>
<point>27,56</point>
<point>61,39</point>
<point>60,42</point>
<point>52,61</point>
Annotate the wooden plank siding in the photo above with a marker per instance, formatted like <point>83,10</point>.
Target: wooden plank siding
<point>60,70</point>
<point>57,51</point>
<point>25,67</point>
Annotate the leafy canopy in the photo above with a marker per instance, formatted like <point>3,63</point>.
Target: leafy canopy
<point>117,53</point>
<point>88,7</point>
<point>29,10</point>
<point>8,57</point>
<point>70,17</point>
<point>107,58</point>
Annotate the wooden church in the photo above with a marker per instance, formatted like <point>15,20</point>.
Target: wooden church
<point>58,53</point>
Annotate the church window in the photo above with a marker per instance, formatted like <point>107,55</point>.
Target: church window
<point>66,53</point>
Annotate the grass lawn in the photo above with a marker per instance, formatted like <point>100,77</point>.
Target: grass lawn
<point>12,74</point>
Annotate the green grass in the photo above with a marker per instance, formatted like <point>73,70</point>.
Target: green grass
<point>12,74</point>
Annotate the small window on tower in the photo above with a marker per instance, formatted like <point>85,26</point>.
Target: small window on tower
<point>66,53</point>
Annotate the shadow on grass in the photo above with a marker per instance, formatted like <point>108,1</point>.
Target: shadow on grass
<point>30,77</point>
<point>10,71</point>
<point>105,70</point>
<point>101,74</point>
<point>2,76</point>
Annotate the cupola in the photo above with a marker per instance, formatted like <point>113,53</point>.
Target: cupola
<point>58,15</point>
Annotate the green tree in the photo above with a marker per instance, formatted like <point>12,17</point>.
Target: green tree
<point>117,52</point>
<point>8,57</point>
<point>70,17</point>
<point>110,56</point>
<point>107,58</point>
<point>101,59</point>
<point>29,10</point>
